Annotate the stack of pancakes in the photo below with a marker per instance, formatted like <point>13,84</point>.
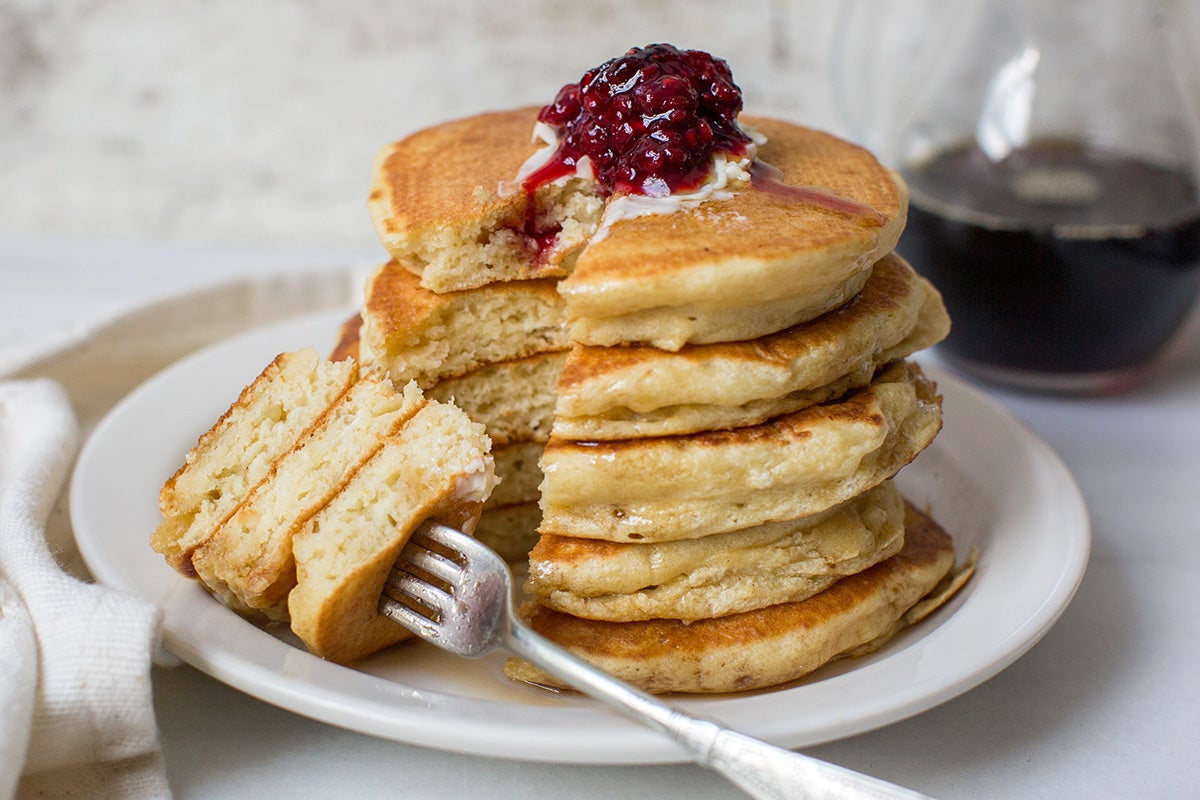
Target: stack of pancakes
<point>714,399</point>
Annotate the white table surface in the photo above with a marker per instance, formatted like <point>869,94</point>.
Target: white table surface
<point>1106,705</point>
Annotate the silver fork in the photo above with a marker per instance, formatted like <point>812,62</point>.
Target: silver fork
<point>467,609</point>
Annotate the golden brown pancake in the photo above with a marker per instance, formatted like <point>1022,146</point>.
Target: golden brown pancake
<point>639,391</point>
<point>765,647</point>
<point>725,573</point>
<point>416,334</point>
<point>759,260</point>
<point>682,487</point>
<point>445,204</point>
<point>346,345</point>
<point>270,415</point>
<point>436,467</point>
<point>736,269</point>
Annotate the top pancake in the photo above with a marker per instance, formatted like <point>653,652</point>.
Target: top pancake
<point>445,203</point>
<point>753,260</point>
<point>755,263</point>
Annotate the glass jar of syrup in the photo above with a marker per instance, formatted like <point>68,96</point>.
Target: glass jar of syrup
<point>1052,155</point>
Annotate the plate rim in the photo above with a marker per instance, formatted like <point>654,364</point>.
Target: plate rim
<point>574,740</point>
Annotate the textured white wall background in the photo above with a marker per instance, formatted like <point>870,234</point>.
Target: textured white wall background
<point>256,122</point>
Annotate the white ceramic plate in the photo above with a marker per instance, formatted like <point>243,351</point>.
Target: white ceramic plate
<point>987,479</point>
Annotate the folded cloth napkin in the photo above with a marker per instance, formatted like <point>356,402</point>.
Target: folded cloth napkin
<point>76,710</point>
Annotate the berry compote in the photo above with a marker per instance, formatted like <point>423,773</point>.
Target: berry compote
<point>648,122</point>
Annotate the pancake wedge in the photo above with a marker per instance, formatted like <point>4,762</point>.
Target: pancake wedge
<point>725,573</point>
<point>683,487</point>
<point>436,467</point>
<point>247,561</point>
<point>446,204</point>
<point>766,647</point>
<point>416,334</point>
<point>640,391</point>
<point>777,252</point>
<point>266,420</point>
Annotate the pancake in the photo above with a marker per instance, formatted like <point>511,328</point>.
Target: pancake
<point>437,467</point>
<point>444,203</point>
<point>634,392</point>
<point>756,260</point>
<point>266,420</point>
<point>416,334</point>
<point>765,259</point>
<point>518,471</point>
<point>769,646</point>
<point>683,487</point>
<point>513,399</point>
<point>716,575</point>
<point>247,562</point>
<point>510,530</point>
<point>346,345</point>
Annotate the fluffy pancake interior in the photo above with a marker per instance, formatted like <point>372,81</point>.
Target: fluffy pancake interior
<point>270,415</point>
<point>248,560</point>
<point>436,467</point>
<point>513,399</point>
<point>418,335</point>
<point>470,225</point>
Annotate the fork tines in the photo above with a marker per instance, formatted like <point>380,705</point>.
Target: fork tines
<point>421,583</point>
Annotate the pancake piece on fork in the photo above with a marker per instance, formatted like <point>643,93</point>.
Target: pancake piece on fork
<point>436,467</point>
<point>266,420</point>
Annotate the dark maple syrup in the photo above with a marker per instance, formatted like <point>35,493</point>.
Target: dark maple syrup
<point>1060,258</point>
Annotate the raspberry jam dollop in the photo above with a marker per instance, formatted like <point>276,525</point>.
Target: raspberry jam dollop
<point>647,122</point>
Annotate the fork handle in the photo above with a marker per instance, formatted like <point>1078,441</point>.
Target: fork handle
<point>760,769</point>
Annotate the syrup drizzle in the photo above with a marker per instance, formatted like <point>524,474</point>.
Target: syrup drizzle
<point>769,179</point>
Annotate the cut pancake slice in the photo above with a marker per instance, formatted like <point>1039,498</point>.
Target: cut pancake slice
<point>725,573</point>
<point>267,419</point>
<point>639,391</point>
<point>436,467</point>
<point>513,399</point>
<point>247,561</point>
<point>445,203</point>
<point>766,257</point>
<point>684,487</point>
<point>418,335</point>
<point>768,646</point>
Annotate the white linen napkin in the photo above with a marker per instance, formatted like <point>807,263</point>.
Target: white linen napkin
<point>76,711</point>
